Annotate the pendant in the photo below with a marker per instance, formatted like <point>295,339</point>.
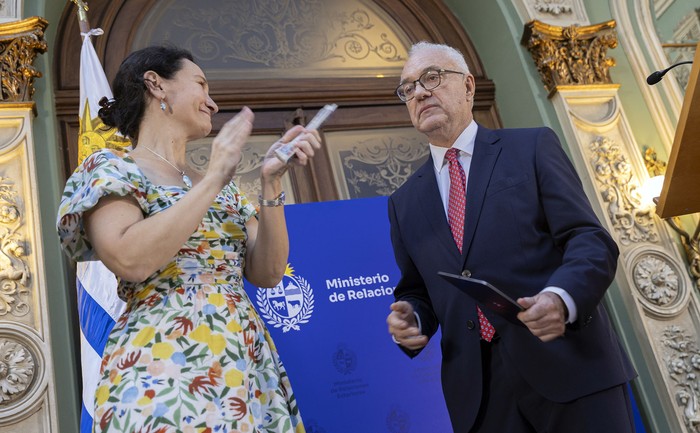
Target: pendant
<point>186,179</point>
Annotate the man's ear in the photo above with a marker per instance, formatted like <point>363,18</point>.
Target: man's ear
<point>470,85</point>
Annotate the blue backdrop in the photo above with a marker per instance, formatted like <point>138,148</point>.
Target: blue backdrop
<point>328,320</point>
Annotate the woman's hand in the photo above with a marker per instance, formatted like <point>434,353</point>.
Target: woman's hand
<point>227,147</point>
<point>304,149</point>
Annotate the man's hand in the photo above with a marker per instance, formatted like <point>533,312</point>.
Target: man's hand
<point>544,315</point>
<point>403,326</point>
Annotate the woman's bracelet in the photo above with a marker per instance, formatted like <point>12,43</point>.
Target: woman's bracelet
<point>277,201</point>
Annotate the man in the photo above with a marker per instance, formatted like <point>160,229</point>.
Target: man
<point>505,206</point>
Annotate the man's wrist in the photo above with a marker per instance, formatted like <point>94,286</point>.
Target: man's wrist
<point>418,325</point>
<point>567,300</point>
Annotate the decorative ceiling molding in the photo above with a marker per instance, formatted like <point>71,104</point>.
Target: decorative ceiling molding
<point>660,6</point>
<point>556,12</point>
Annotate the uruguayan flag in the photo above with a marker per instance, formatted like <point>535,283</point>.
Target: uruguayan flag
<point>98,309</point>
<point>98,304</point>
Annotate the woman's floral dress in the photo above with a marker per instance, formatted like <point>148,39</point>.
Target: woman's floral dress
<point>190,354</point>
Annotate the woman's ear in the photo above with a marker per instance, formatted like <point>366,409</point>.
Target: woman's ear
<point>152,82</point>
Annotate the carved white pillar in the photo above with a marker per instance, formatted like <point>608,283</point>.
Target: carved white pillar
<point>652,275</point>
<point>27,397</point>
<point>27,394</point>
<point>654,284</point>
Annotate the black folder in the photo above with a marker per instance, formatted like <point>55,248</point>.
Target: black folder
<point>486,294</point>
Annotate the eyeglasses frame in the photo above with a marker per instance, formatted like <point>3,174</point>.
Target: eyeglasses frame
<point>418,81</point>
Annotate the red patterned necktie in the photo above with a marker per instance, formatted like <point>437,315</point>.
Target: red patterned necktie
<point>455,216</point>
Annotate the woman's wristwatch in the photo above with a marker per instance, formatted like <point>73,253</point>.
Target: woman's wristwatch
<point>277,201</point>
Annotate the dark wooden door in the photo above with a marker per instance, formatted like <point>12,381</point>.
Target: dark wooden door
<point>285,65</point>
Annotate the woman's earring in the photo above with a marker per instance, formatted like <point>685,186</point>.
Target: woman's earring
<point>162,104</point>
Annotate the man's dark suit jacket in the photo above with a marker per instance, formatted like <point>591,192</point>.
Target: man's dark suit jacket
<point>528,225</point>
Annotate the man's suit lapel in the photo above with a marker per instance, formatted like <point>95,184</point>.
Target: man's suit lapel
<point>486,151</point>
<point>428,195</point>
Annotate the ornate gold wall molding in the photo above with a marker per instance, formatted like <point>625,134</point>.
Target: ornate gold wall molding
<point>573,55</point>
<point>20,42</point>
<point>654,165</point>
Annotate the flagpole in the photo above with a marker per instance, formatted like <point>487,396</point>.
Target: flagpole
<point>83,22</point>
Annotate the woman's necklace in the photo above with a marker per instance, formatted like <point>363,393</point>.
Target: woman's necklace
<point>185,179</point>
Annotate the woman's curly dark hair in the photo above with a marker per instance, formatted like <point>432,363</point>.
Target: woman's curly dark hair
<point>125,111</point>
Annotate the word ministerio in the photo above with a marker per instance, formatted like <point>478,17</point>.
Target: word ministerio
<point>362,293</point>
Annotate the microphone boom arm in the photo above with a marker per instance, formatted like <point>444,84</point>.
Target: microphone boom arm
<point>656,76</point>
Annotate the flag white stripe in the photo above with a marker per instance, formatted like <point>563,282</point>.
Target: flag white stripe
<point>95,274</point>
<point>88,356</point>
<point>93,81</point>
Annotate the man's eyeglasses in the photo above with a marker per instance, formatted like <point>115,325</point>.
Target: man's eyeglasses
<point>429,80</point>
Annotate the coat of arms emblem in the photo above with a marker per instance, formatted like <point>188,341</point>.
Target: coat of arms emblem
<point>288,304</point>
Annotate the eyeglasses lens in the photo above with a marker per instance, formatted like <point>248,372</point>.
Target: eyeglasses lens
<point>429,80</point>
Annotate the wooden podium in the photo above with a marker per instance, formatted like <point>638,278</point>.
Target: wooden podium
<point>680,193</point>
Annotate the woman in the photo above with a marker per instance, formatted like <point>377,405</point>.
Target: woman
<point>190,353</point>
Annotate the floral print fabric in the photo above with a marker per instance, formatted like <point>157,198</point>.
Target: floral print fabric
<point>190,354</point>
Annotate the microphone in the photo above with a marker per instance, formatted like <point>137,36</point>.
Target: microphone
<point>656,76</point>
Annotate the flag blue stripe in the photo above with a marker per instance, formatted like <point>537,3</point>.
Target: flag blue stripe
<point>85,421</point>
<point>95,323</point>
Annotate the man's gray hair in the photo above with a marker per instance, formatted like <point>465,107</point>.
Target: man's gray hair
<point>447,50</point>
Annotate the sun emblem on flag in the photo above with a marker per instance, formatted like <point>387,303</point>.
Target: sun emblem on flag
<point>95,135</point>
<point>288,304</point>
